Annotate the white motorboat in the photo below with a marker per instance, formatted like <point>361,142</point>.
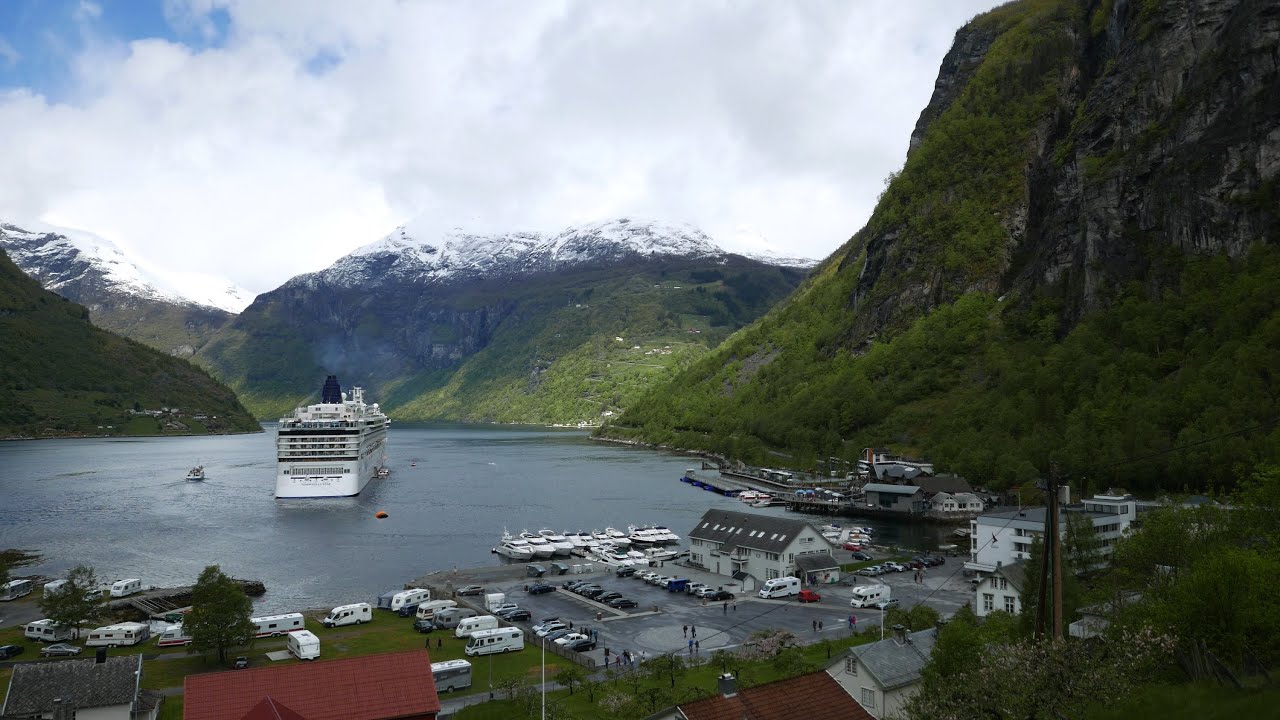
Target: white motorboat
<point>514,548</point>
<point>558,541</point>
<point>601,537</point>
<point>660,554</point>
<point>196,474</point>
<point>613,557</point>
<point>665,535</point>
<point>541,547</point>
<point>618,537</point>
<point>577,540</point>
<point>637,556</point>
<point>641,535</point>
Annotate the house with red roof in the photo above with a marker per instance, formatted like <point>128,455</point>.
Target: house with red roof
<point>390,686</point>
<point>812,696</point>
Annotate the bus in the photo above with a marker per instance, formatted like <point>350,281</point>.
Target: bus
<point>15,589</point>
<point>277,625</point>
<point>496,640</point>
<point>451,675</point>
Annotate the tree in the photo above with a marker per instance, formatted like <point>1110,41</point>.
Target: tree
<point>668,666</point>
<point>571,675</point>
<point>1081,548</point>
<point>77,602</point>
<point>220,614</point>
<point>920,617</point>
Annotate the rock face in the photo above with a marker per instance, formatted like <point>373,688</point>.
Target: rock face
<point>1154,128</point>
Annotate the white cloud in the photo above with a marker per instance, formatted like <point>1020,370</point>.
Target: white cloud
<point>316,126</point>
<point>8,53</point>
<point>86,11</point>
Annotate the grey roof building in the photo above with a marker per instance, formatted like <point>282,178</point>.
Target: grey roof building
<point>883,675</point>
<point>748,546</point>
<point>899,498</point>
<point>107,685</point>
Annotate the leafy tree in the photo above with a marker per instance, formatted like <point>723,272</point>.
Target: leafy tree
<point>668,666</point>
<point>1081,547</point>
<point>220,614</point>
<point>79,601</point>
<point>571,676</point>
<point>919,617</point>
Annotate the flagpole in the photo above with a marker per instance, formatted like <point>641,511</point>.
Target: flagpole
<point>544,679</point>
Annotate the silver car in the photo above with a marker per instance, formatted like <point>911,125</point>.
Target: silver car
<point>59,650</point>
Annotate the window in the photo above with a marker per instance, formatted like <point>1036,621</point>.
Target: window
<point>868,698</point>
<point>1008,604</point>
<point>1004,584</point>
<point>771,556</point>
<point>851,665</point>
<point>771,574</point>
<point>988,602</point>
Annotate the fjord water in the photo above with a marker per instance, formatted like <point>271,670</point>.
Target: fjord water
<point>123,506</point>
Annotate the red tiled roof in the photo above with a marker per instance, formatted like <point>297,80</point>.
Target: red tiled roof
<point>374,687</point>
<point>816,695</point>
<point>269,709</point>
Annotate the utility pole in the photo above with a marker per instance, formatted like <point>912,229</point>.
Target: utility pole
<point>1045,552</point>
<point>1057,555</point>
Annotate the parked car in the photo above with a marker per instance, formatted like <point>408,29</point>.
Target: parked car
<point>852,546</point>
<point>592,592</point>
<point>518,615</point>
<point>541,588</point>
<point>886,604</point>
<point>705,592</point>
<point>407,610</point>
<point>549,628</point>
<point>606,597</point>
<point>621,602</point>
<point>240,663</point>
<point>503,608</point>
<point>574,584</point>
<point>861,556</point>
<point>584,589</point>
<point>647,575</point>
<point>894,567</point>
<point>871,571</point>
<point>720,595</point>
<point>660,580</point>
<point>470,590</point>
<point>545,622</point>
<point>933,560</point>
<point>557,634</point>
<point>582,645</point>
<point>570,638</point>
<point>693,587</point>
<point>8,651</point>
<point>59,650</point>
<point>626,571</point>
<point>807,596</point>
<point>423,625</point>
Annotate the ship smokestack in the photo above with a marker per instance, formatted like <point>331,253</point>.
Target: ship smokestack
<point>331,394</point>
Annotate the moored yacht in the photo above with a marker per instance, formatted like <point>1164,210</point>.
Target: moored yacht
<point>665,535</point>
<point>514,547</point>
<point>618,537</point>
<point>577,539</point>
<point>659,554</point>
<point>559,542</point>
<point>541,548</point>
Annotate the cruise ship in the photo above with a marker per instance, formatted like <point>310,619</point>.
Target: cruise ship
<point>331,449</point>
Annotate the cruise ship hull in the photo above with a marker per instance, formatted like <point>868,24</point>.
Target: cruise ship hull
<point>332,449</point>
<point>350,478</point>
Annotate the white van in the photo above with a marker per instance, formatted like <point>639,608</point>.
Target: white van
<point>47,631</point>
<point>413,596</point>
<point>125,588</point>
<point>15,589</point>
<point>869,595</point>
<point>497,640</point>
<point>428,610</point>
<point>472,624</point>
<point>348,615</point>
<point>130,633</point>
<point>780,587</point>
<point>304,645</point>
<point>53,587</point>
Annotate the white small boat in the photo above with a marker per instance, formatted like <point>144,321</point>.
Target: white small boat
<point>514,547</point>
<point>618,537</point>
<point>541,548</point>
<point>660,554</point>
<point>576,539</point>
<point>559,542</point>
<point>665,535</point>
<point>196,474</point>
<point>383,473</point>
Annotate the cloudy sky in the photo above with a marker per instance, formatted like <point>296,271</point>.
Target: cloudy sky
<point>255,139</point>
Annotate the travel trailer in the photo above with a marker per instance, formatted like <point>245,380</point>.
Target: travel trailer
<point>496,640</point>
<point>780,587</point>
<point>47,631</point>
<point>277,625</point>
<point>348,615</point>
<point>869,595</point>
<point>15,589</point>
<point>395,601</point>
<point>304,645</point>
<point>173,636</point>
<point>450,617</point>
<point>469,626</point>
<point>53,586</point>
<point>125,588</point>
<point>451,675</point>
<point>428,610</point>
<point>130,633</point>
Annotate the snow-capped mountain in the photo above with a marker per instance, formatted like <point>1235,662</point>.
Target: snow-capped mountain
<point>417,253</point>
<point>771,258</point>
<point>83,267</point>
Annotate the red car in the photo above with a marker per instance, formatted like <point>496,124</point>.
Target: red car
<point>809,596</point>
<point>852,546</point>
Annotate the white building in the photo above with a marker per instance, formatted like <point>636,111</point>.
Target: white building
<point>752,548</point>
<point>101,688</point>
<point>956,503</point>
<point>1001,590</point>
<point>883,675</point>
<point>1004,537</point>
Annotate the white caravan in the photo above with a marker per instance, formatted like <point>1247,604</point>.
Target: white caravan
<point>869,595</point>
<point>348,615</point>
<point>15,589</point>
<point>47,631</point>
<point>428,610</point>
<point>130,633</point>
<point>780,587</point>
<point>304,645</point>
<point>125,588</point>
<point>469,626</point>
<point>277,625</point>
<point>173,636</point>
<point>53,586</point>
<point>413,596</point>
<point>497,640</point>
<point>451,675</point>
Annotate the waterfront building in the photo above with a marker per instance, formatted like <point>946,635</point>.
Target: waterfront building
<point>883,675</point>
<point>752,548</point>
<point>98,687</point>
<point>964,502</point>
<point>895,498</point>
<point>1004,537</point>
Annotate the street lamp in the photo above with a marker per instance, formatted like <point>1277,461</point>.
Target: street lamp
<point>544,679</point>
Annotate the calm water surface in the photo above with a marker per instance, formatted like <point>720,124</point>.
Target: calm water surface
<point>122,506</point>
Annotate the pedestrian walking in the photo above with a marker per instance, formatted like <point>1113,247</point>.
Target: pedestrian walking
<point>617,662</point>
<point>853,621</point>
<point>697,647</point>
<point>693,631</point>
<point>690,647</point>
<point>685,629</point>
<point>726,609</point>
<point>606,656</point>
<point>735,606</point>
<point>819,626</point>
<point>815,626</point>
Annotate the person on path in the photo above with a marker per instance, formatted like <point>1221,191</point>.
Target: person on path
<point>815,626</point>
<point>691,647</point>
<point>735,606</point>
<point>819,626</point>
<point>697,647</point>
<point>726,609</point>
<point>853,621</point>
<point>685,629</point>
<point>617,661</point>
<point>693,631</point>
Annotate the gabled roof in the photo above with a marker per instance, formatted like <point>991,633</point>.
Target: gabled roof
<point>895,664</point>
<point>738,529</point>
<point>79,683</point>
<point>813,562</point>
<point>269,709</point>
<point>886,488</point>
<point>1015,572</point>
<point>816,695</point>
<point>373,687</point>
<point>943,483</point>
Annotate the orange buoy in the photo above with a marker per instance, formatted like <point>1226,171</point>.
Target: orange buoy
<point>381,514</point>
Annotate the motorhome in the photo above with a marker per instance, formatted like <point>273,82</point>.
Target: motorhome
<point>125,588</point>
<point>780,587</point>
<point>869,595</point>
<point>173,636</point>
<point>428,610</point>
<point>496,640</point>
<point>130,633</point>
<point>395,601</point>
<point>47,631</point>
<point>348,615</point>
<point>451,675</point>
<point>472,624</point>
<point>53,586</point>
<point>304,645</point>
<point>15,589</point>
<point>277,625</point>
<point>450,617</point>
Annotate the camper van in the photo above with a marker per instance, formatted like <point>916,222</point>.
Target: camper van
<point>130,633</point>
<point>277,625</point>
<point>395,601</point>
<point>497,640</point>
<point>780,587</point>
<point>469,626</point>
<point>125,588</point>
<point>15,589</point>
<point>428,610</point>
<point>450,617</point>
<point>47,631</point>
<point>304,645</point>
<point>53,586</point>
<point>348,615</point>
<point>451,675</point>
<point>869,595</point>
<point>173,636</point>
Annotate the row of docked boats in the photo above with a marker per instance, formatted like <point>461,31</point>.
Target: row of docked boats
<point>548,543</point>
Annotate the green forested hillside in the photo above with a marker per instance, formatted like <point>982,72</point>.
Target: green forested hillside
<point>60,375</point>
<point>1016,300</point>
